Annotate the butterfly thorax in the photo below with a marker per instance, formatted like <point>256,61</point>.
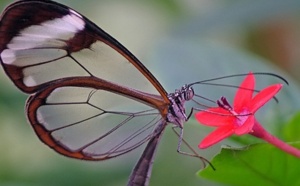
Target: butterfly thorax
<point>176,114</point>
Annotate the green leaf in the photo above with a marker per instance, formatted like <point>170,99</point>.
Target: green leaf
<point>291,130</point>
<point>259,164</point>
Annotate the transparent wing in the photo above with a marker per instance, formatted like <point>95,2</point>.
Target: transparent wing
<point>90,122</point>
<point>88,91</point>
<point>43,41</point>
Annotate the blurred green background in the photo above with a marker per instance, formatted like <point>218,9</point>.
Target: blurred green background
<point>180,41</point>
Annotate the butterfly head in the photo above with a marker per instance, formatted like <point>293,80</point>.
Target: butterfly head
<point>177,99</point>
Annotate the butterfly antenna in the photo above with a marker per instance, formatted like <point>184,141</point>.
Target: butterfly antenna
<point>243,74</point>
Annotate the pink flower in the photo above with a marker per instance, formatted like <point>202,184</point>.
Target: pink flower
<point>240,118</point>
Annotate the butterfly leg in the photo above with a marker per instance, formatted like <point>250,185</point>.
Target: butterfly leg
<point>190,114</point>
<point>194,154</point>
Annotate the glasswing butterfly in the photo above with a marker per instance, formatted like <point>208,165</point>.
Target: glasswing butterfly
<point>90,98</point>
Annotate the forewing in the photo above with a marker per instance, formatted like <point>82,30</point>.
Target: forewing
<point>43,41</point>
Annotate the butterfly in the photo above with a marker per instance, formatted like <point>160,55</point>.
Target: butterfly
<point>90,98</point>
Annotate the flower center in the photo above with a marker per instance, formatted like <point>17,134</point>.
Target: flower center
<point>241,116</point>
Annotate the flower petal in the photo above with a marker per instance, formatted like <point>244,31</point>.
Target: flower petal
<point>246,127</point>
<point>216,136</point>
<point>263,97</point>
<point>243,95</point>
<point>214,117</point>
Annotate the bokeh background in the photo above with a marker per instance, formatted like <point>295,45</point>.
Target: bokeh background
<point>180,41</point>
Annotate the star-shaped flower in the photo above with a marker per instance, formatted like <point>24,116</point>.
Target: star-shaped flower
<point>238,119</point>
